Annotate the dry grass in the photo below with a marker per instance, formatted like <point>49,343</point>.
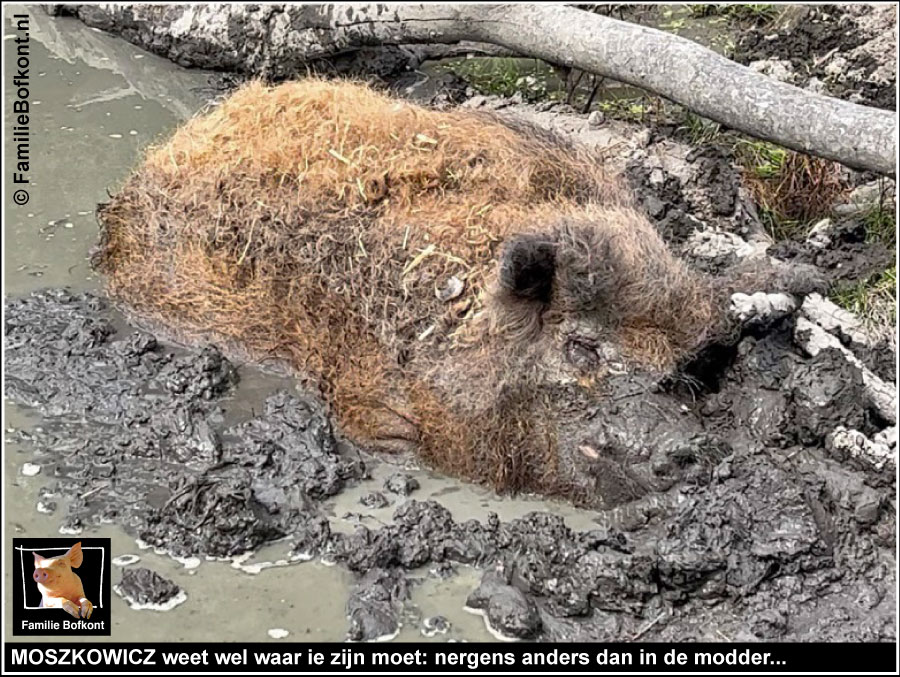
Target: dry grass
<point>793,189</point>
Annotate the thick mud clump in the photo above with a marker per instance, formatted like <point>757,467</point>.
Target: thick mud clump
<point>453,283</point>
<point>850,256</point>
<point>688,190</point>
<point>747,518</point>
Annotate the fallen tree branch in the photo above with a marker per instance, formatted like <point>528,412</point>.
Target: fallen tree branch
<point>855,445</point>
<point>271,39</point>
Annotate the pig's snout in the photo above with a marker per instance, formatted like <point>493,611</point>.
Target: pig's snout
<point>40,576</point>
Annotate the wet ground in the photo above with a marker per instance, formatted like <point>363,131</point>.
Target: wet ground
<point>142,434</point>
<point>167,448</point>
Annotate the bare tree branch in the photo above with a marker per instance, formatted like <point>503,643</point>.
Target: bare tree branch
<point>280,41</point>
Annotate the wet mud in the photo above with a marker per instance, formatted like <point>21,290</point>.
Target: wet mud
<point>732,513</point>
<point>684,190</point>
<point>155,456</point>
<point>697,542</point>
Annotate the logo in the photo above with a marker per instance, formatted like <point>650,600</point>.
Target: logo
<point>61,586</point>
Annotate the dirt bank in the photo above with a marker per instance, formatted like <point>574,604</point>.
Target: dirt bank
<point>284,42</point>
<point>138,438</point>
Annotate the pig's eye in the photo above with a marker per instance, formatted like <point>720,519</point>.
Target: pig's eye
<point>582,353</point>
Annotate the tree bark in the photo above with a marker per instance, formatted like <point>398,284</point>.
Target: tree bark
<point>280,41</point>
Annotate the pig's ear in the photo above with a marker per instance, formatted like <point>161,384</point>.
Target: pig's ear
<point>75,556</point>
<point>527,267</point>
<point>38,560</point>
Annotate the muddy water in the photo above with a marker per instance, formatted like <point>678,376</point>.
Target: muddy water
<point>96,102</point>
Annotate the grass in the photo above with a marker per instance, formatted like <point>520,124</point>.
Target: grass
<point>674,25</point>
<point>630,109</point>
<point>648,109</point>
<point>873,299</point>
<point>700,130</point>
<point>764,160</point>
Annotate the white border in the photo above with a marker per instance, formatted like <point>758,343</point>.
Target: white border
<point>22,552</point>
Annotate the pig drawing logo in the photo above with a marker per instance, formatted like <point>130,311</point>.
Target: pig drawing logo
<point>62,587</point>
<point>59,585</point>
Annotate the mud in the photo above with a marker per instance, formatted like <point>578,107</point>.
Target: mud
<point>508,612</point>
<point>223,50</point>
<point>375,605</point>
<point>697,540</point>
<point>685,190</point>
<point>155,456</point>
<point>881,358</point>
<point>401,483</point>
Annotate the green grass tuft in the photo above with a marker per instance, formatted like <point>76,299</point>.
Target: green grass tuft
<point>700,130</point>
<point>504,76</point>
<point>792,190</point>
<point>754,13</point>
<point>764,159</point>
<point>873,299</point>
<point>630,109</point>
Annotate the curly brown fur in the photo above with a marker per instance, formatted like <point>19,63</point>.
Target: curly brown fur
<point>315,221</point>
